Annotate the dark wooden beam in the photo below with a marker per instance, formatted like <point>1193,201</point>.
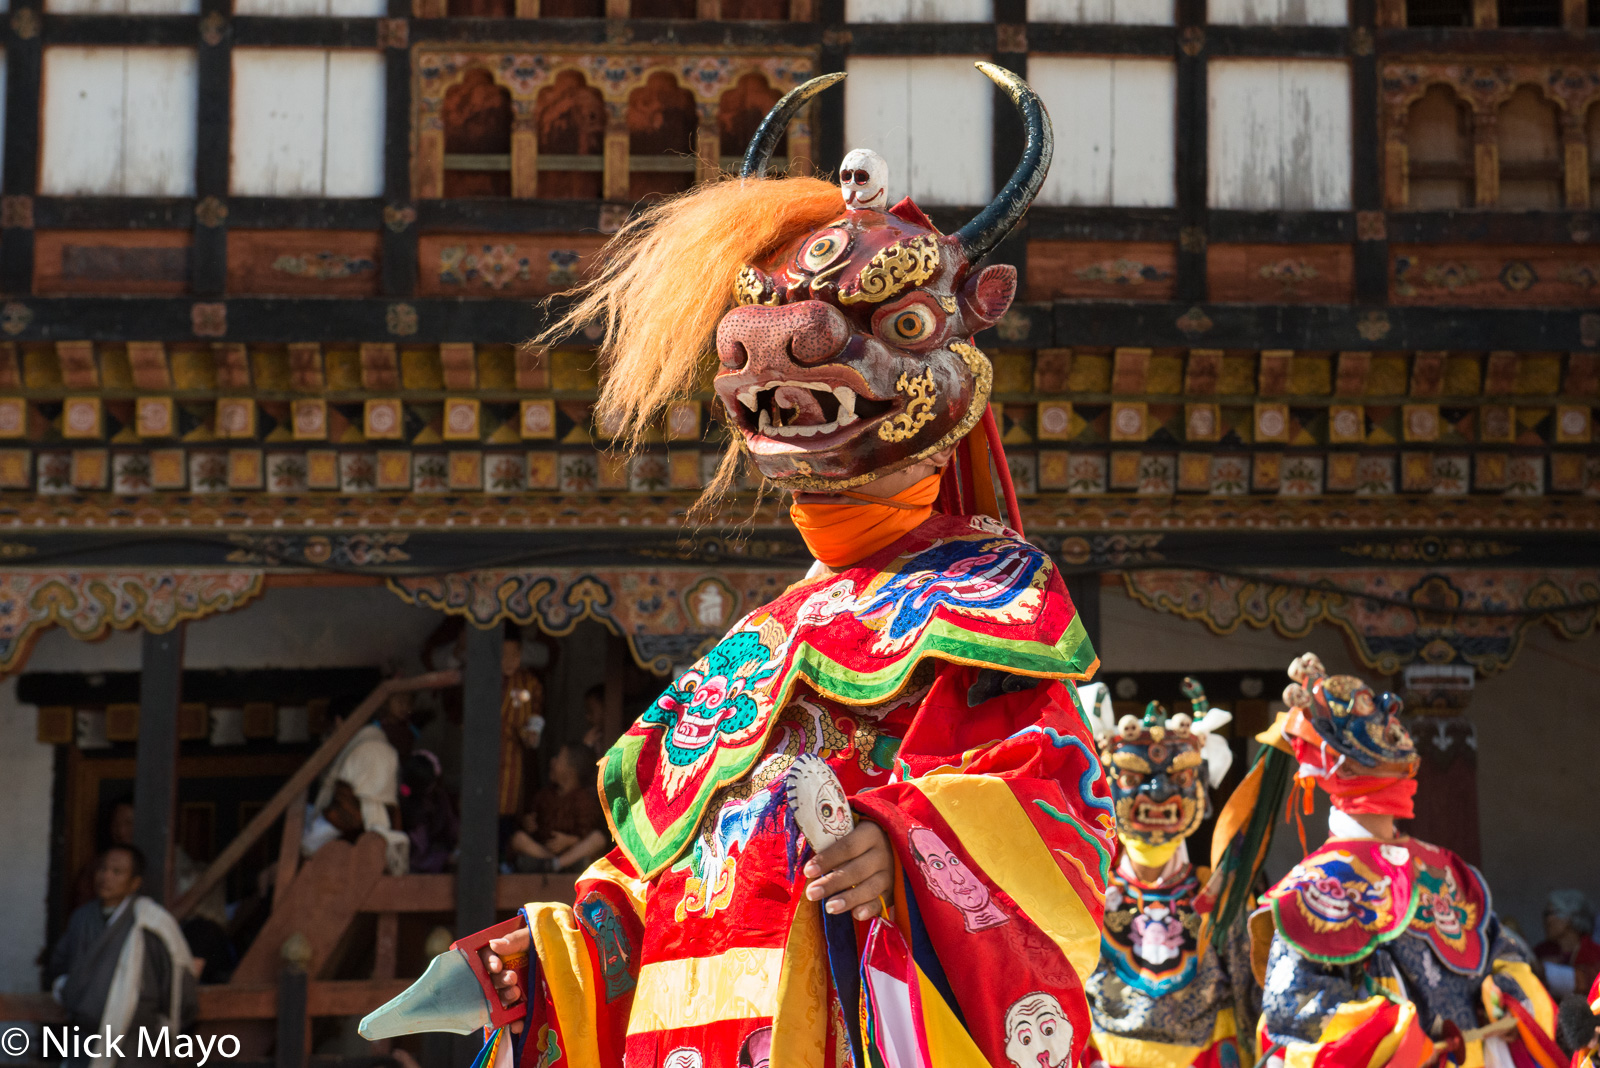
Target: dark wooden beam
<point>1328,42</point>
<point>208,261</point>
<point>24,61</point>
<point>1191,150</point>
<point>1285,226</point>
<point>921,38</point>
<point>827,136</point>
<point>480,780</point>
<point>1056,37</point>
<point>305,33</point>
<point>155,777</point>
<point>306,213</point>
<point>399,219</point>
<point>1532,43</point>
<point>1102,224</point>
<point>513,33</point>
<point>1366,163</point>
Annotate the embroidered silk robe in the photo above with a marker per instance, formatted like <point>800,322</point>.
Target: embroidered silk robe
<point>931,678</point>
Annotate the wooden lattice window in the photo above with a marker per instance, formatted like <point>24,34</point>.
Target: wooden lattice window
<point>739,112</point>
<point>1529,130</point>
<point>477,137</point>
<point>661,125</point>
<point>1438,12</point>
<point>1439,152</point>
<point>571,116</point>
<point>1530,12</point>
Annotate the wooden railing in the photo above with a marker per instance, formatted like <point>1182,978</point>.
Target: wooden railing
<point>290,797</point>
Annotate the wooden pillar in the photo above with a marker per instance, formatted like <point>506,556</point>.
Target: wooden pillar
<point>293,1023</point>
<point>1575,16</point>
<point>619,9</point>
<point>1486,156</point>
<point>708,10</point>
<point>527,9</point>
<point>1391,13</point>
<point>428,170</point>
<point>524,146</point>
<point>1396,161</point>
<point>707,147</point>
<point>799,11</point>
<point>1576,164</point>
<point>1485,14</point>
<point>616,152</point>
<point>479,865</point>
<point>155,776</point>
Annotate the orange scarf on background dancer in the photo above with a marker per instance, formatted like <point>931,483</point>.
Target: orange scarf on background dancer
<point>839,533</point>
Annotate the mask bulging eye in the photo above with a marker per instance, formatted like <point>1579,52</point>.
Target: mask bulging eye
<point>909,325</point>
<point>823,250</point>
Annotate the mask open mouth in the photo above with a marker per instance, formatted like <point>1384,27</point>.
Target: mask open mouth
<point>1163,816</point>
<point>791,415</point>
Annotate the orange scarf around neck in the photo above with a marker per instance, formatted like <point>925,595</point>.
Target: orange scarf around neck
<point>841,533</point>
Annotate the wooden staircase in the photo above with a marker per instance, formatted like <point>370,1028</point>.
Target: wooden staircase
<point>284,975</point>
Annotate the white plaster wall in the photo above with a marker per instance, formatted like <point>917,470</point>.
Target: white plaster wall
<point>1538,740</point>
<point>27,769</point>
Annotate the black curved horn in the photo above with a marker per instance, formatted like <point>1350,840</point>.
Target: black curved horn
<point>993,223</point>
<point>759,154</point>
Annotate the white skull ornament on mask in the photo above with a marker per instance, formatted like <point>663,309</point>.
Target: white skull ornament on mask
<point>864,180</point>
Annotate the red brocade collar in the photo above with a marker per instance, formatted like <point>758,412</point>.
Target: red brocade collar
<point>1354,894</point>
<point>961,589</point>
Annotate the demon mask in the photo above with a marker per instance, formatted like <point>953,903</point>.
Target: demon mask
<point>1156,783</point>
<point>850,355</point>
<point>1349,718</point>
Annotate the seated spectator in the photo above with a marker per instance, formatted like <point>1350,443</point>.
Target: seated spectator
<point>566,827</point>
<point>123,963</point>
<point>428,814</point>
<point>594,714</point>
<point>118,831</point>
<point>1571,958</point>
<point>361,791</point>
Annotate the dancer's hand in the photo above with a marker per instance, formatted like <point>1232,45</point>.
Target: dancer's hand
<point>516,944</point>
<point>853,872</point>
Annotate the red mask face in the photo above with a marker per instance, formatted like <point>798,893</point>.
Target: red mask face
<point>850,355</point>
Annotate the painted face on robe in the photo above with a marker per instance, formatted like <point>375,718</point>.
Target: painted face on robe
<point>850,355</point>
<point>950,880</point>
<point>1038,1033</point>
<point>757,1049</point>
<point>1156,785</point>
<point>864,180</point>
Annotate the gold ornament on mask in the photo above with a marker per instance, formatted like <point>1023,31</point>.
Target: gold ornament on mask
<point>751,288</point>
<point>902,264</point>
<point>918,411</point>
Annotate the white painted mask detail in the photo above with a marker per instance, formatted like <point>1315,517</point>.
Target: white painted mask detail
<point>817,799</point>
<point>864,180</point>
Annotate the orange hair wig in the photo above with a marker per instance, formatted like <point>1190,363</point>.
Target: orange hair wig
<point>666,280</point>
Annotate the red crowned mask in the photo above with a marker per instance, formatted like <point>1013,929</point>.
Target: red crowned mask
<point>850,354</point>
